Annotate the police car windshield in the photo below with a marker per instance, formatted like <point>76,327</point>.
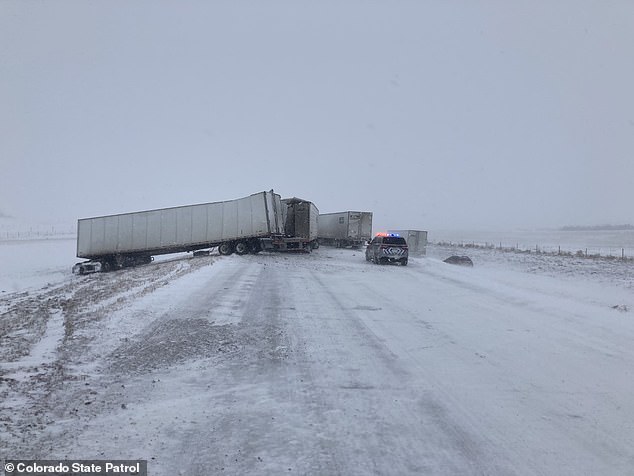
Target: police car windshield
<point>393,240</point>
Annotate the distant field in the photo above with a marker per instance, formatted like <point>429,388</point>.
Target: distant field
<point>35,263</point>
<point>603,242</point>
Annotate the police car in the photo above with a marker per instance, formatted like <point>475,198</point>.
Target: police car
<point>387,248</point>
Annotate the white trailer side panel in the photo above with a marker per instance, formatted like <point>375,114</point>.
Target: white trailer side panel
<point>168,229</point>
<point>153,230</point>
<point>184,225</point>
<point>333,225</point>
<point>215,221</point>
<point>348,225</point>
<point>140,231</point>
<point>229,220</point>
<point>199,223</point>
<point>124,231</point>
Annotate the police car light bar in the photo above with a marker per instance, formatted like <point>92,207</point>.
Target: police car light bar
<point>387,234</point>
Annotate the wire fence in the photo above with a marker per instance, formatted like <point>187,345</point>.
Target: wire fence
<point>37,234</point>
<point>605,252</point>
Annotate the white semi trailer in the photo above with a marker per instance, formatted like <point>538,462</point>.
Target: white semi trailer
<point>128,239</point>
<point>342,229</point>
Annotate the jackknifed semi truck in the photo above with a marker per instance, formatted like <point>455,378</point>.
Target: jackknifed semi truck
<point>245,225</point>
<point>343,229</point>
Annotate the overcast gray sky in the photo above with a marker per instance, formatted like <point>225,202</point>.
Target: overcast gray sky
<point>431,114</point>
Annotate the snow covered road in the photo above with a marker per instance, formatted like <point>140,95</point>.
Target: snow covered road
<point>323,364</point>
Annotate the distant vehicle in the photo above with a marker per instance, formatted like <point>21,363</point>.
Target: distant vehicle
<point>343,229</point>
<point>244,225</point>
<point>387,248</point>
<point>459,260</point>
<point>416,240</point>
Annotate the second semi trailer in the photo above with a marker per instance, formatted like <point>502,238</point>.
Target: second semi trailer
<point>342,229</point>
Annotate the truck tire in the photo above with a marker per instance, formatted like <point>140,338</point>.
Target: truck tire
<point>241,248</point>
<point>404,262</point>
<point>225,249</point>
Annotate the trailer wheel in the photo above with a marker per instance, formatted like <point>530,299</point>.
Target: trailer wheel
<point>225,249</point>
<point>241,248</point>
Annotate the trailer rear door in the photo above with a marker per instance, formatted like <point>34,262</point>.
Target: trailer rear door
<point>354,225</point>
